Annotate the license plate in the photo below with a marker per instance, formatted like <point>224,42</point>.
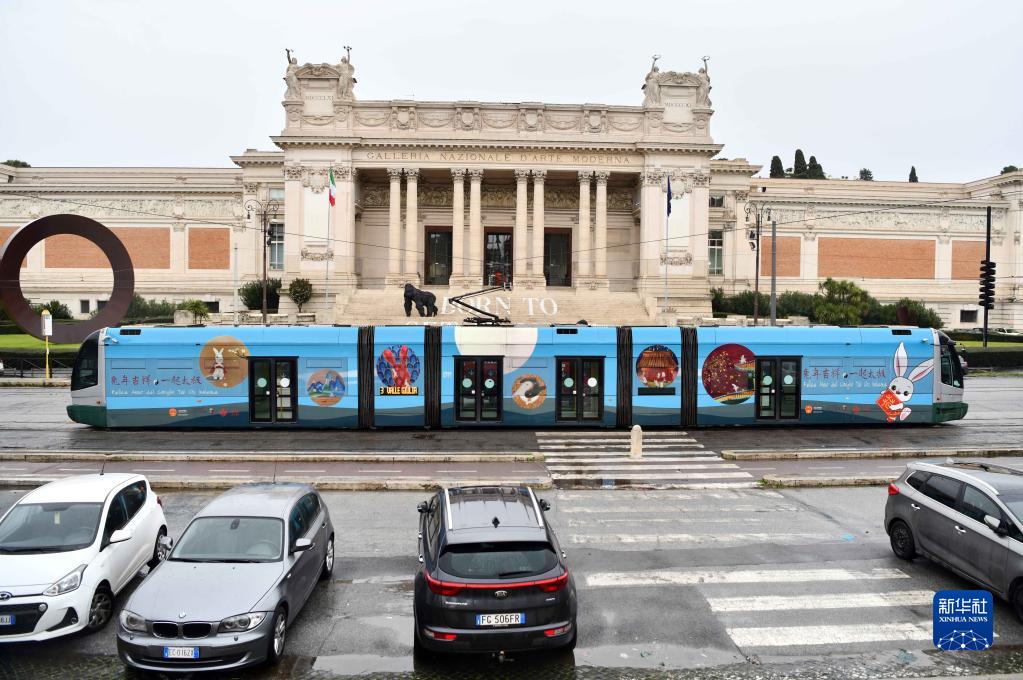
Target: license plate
<point>500,619</point>
<point>7,620</point>
<point>181,652</point>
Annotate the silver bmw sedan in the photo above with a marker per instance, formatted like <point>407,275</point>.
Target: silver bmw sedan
<point>232,585</point>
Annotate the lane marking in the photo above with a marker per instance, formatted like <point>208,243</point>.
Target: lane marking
<point>604,510</point>
<point>698,538</point>
<point>572,522</point>
<point>13,469</point>
<point>828,467</point>
<point>388,470</point>
<point>229,470</point>
<point>455,471</point>
<point>152,469</point>
<point>79,469</point>
<point>787,636</point>
<point>759,468</point>
<point>764,603</point>
<point>688,578</point>
<point>303,471</point>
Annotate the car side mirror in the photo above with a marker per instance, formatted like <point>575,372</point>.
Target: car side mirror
<point>302,544</point>
<point>544,505</point>
<point>996,525</point>
<point>166,542</point>
<point>423,507</point>
<point>119,536</point>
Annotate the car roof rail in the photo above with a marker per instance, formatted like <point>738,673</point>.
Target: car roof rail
<point>986,467</point>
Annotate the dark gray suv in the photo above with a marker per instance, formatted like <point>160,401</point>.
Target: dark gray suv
<point>493,576</point>
<point>965,516</point>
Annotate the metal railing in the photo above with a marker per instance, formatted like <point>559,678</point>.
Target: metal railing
<point>35,367</point>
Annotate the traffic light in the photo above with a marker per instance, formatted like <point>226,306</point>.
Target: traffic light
<point>987,284</point>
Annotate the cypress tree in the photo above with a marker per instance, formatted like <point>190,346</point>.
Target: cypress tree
<point>912,174</point>
<point>866,175</point>
<point>776,168</point>
<point>799,166</point>
<point>814,169</point>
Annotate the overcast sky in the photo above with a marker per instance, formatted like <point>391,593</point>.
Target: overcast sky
<point>877,84</point>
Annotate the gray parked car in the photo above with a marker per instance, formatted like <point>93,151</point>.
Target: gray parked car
<point>965,516</point>
<point>232,585</point>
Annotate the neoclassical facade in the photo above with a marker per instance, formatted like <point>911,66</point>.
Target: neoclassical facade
<point>568,204</point>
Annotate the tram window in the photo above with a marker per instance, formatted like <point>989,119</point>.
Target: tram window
<point>951,369</point>
<point>86,370</point>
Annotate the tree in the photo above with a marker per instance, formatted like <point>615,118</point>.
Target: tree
<point>15,163</point>
<point>912,312</point>
<point>1009,168</point>
<point>197,308</point>
<point>300,291</point>
<point>866,175</point>
<point>793,303</point>
<point>912,174</point>
<point>799,165</point>
<point>252,294</point>
<point>58,310</point>
<point>814,169</point>
<point>777,171</point>
<point>842,303</point>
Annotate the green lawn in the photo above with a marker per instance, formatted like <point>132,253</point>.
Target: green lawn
<point>991,343</point>
<point>26,343</point>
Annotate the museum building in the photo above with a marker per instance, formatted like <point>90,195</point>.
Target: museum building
<point>565,204</point>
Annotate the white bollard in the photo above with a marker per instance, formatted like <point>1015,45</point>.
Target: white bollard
<point>636,447</point>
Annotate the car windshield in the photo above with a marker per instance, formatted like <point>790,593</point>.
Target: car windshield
<point>498,560</point>
<point>49,527</point>
<point>231,539</point>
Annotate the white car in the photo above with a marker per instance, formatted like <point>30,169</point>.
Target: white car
<point>68,547</point>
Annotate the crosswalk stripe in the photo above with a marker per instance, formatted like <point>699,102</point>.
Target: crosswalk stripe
<point>625,442</point>
<point>625,454</point>
<point>784,636</point>
<point>564,460</point>
<point>764,603</point>
<point>580,447</point>
<point>645,466</point>
<point>688,578</point>
<point>610,433</point>
<point>699,538</point>
<point>680,475</point>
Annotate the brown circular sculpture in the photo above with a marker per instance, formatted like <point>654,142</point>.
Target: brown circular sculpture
<point>13,252</point>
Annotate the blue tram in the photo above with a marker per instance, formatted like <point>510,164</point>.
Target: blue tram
<point>513,376</point>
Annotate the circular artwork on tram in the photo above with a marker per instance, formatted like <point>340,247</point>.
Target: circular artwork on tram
<point>729,374</point>
<point>326,387</point>
<point>529,391</point>
<point>223,361</point>
<point>657,366</point>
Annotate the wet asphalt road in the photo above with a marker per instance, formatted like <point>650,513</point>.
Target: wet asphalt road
<point>736,583</point>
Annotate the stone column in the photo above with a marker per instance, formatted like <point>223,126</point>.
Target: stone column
<point>347,222</point>
<point>651,223</point>
<point>413,252</point>
<point>394,228</point>
<point>458,268</point>
<point>475,226</point>
<point>520,237</point>
<point>600,229</point>
<point>536,256</point>
<point>582,244</point>
<point>699,222</point>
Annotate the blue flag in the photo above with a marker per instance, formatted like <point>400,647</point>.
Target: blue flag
<point>669,195</point>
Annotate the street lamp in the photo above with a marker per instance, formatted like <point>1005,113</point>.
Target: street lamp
<point>264,210</point>
<point>759,210</point>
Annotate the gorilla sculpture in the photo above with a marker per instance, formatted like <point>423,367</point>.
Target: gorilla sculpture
<point>424,300</point>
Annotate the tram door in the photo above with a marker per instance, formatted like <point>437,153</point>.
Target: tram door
<point>272,394</point>
<point>777,396</point>
<point>580,394</point>
<point>478,389</point>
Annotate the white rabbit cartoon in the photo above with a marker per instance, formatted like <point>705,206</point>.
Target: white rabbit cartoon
<point>900,390</point>
<point>218,364</point>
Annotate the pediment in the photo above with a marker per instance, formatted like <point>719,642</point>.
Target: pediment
<point>318,71</point>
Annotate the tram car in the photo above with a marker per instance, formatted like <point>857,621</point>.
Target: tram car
<point>513,376</point>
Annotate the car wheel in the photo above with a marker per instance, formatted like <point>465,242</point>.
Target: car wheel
<point>328,560</point>
<point>100,609</point>
<point>902,541</point>
<point>571,643</point>
<point>160,551</point>
<point>278,636</point>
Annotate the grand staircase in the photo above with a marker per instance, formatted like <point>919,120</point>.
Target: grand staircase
<point>522,306</point>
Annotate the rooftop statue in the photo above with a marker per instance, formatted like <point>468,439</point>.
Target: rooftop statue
<point>346,80</point>
<point>291,77</point>
<point>652,86</point>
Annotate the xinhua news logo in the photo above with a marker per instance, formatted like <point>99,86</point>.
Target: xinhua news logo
<point>963,620</point>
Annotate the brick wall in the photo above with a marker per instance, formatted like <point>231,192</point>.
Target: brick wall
<point>788,255</point>
<point>5,233</point>
<point>966,257</point>
<point>875,258</point>
<point>209,248</point>
<point>148,247</point>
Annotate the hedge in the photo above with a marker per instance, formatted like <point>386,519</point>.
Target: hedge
<point>959,336</point>
<point>994,357</point>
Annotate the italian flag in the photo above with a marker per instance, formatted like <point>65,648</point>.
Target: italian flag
<point>333,188</point>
